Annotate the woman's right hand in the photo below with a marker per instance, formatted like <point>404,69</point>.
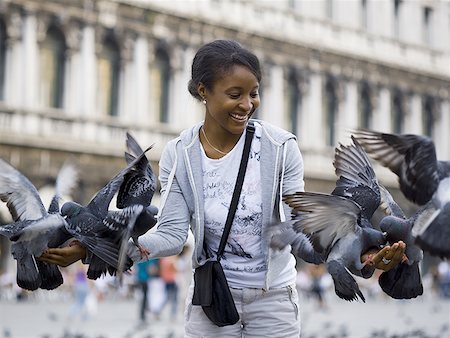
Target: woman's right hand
<point>64,256</point>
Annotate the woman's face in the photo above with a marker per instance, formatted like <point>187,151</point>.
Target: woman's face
<point>232,100</point>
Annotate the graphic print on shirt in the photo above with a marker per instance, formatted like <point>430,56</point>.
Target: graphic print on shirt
<point>243,249</point>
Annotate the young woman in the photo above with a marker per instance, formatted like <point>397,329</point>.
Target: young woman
<point>198,171</point>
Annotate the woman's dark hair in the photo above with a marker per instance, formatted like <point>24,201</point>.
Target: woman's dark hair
<point>215,59</point>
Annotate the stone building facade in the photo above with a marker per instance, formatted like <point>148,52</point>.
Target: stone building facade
<point>75,75</point>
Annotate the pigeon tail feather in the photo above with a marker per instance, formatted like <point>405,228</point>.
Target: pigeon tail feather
<point>402,281</point>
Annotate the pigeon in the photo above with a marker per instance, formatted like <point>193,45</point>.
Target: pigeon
<point>333,224</point>
<point>357,181</point>
<point>338,224</point>
<point>139,183</point>
<point>100,230</point>
<point>423,180</point>
<point>138,188</point>
<point>404,280</point>
<point>34,229</point>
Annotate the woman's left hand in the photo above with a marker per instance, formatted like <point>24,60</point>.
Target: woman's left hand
<point>386,258</point>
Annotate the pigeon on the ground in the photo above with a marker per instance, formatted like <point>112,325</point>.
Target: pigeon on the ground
<point>92,225</point>
<point>423,179</point>
<point>404,280</point>
<point>34,229</point>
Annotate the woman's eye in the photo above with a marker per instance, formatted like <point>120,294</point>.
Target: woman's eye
<point>234,96</point>
<point>253,95</point>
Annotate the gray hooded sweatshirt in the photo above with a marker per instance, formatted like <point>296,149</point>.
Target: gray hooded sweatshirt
<point>182,205</point>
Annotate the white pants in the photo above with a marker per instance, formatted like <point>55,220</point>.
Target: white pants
<point>272,314</point>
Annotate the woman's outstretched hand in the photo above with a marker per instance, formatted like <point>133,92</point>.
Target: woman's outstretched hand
<point>64,256</point>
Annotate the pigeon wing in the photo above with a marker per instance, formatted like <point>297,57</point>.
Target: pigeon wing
<point>357,180</point>
<point>20,195</point>
<point>139,183</point>
<point>100,202</point>
<point>65,183</point>
<point>411,157</point>
<point>324,218</point>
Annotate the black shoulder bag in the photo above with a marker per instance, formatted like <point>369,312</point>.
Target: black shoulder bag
<point>211,289</point>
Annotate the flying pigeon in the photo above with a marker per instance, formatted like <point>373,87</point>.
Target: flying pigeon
<point>338,224</point>
<point>357,181</point>
<point>34,229</point>
<point>333,224</point>
<point>91,225</point>
<point>138,187</point>
<point>423,179</point>
<point>404,280</point>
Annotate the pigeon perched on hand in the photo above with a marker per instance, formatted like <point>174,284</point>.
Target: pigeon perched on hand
<point>404,280</point>
<point>338,225</point>
<point>423,179</point>
<point>34,229</point>
<point>333,224</point>
<point>91,225</point>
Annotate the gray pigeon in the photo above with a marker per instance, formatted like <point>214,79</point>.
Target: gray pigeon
<point>338,225</point>
<point>92,225</point>
<point>423,180</point>
<point>357,181</point>
<point>333,224</point>
<point>404,280</point>
<point>138,188</point>
<point>33,230</point>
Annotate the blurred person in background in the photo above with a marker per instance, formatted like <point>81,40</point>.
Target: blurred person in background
<point>168,273</point>
<point>144,271</point>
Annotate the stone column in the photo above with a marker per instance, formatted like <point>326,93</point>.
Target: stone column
<point>87,74</point>
<point>140,82</point>
<point>313,135</point>
<point>413,116</point>
<point>14,71</point>
<point>72,81</point>
<point>382,115</point>
<point>273,110</point>
<point>127,91</point>
<point>348,111</point>
<point>30,62</point>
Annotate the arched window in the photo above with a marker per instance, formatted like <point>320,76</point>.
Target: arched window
<point>365,106</point>
<point>331,106</point>
<point>428,116</point>
<point>108,77</point>
<point>293,100</point>
<point>52,61</point>
<point>160,85</point>
<point>397,114</point>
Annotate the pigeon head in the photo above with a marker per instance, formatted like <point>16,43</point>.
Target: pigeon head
<point>396,228</point>
<point>70,209</point>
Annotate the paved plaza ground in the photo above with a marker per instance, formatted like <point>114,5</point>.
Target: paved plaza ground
<point>43,317</point>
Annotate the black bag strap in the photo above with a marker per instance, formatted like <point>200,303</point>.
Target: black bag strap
<point>237,189</point>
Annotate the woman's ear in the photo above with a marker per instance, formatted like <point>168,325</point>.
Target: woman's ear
<point>201,90</point>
